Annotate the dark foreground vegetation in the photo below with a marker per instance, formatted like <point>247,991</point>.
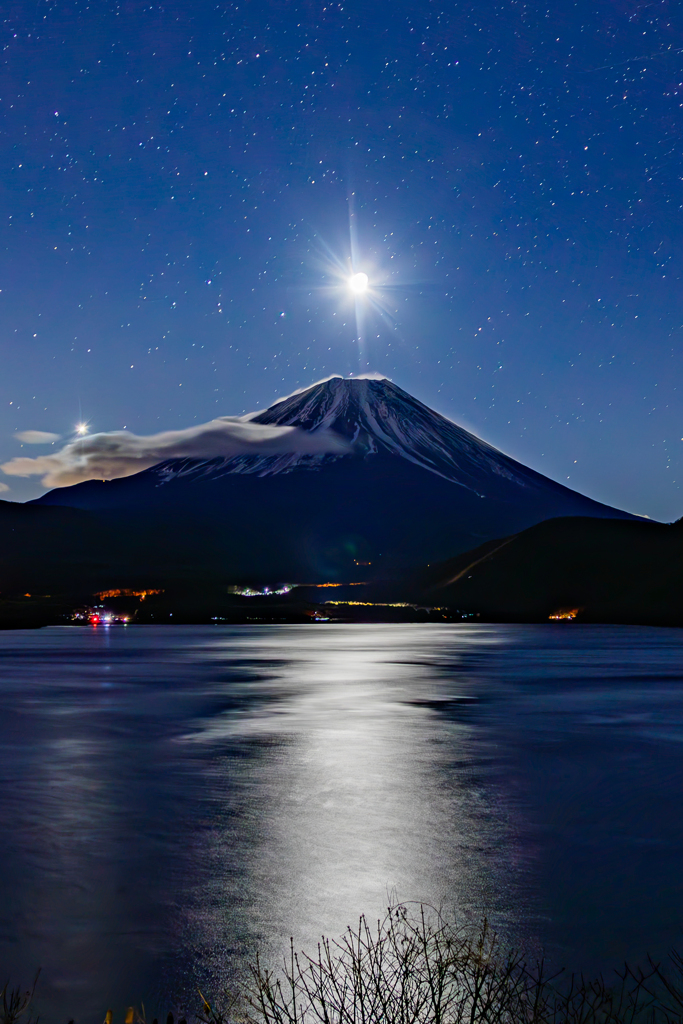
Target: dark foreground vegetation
<point>415,968</point>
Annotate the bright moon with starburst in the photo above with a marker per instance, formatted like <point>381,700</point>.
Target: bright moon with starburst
<point>359,283</point>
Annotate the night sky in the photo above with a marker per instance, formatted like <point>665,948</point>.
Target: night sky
<point>180,182</point>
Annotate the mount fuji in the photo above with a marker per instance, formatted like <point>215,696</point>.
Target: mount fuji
<point>407,487</point>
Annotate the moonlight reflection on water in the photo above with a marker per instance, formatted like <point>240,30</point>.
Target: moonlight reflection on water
<point>179,796</point>
<point>357,787</point>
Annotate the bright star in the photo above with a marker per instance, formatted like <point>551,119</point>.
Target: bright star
<point>358,283</point>
<point>81,428</point>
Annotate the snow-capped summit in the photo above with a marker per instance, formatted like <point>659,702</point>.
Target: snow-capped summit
<point>376,415</point>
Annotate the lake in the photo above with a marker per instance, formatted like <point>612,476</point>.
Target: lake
<point>175,797</point>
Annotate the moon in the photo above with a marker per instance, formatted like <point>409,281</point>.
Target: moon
<point>358,283</point>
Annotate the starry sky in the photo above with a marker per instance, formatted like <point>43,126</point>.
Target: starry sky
<point>182,182</point>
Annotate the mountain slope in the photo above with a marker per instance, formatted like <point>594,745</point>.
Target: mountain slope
<point>413,488</point>
<point>608,570</point>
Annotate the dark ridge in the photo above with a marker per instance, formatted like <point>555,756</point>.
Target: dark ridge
<point>604,570</point>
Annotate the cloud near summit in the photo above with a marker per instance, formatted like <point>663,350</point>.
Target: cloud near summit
<point>119,453</point>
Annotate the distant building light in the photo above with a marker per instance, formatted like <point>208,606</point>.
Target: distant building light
<point>564,614</point>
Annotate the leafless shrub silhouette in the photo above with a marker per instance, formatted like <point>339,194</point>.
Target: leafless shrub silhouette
<point>17,1003</point>
<point>419,969</point>
<point>414,967</point>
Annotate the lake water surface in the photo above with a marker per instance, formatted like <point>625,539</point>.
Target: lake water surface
<point>173,798</point>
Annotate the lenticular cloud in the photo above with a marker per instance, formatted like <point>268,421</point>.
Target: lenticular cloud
<point>119,453</point>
